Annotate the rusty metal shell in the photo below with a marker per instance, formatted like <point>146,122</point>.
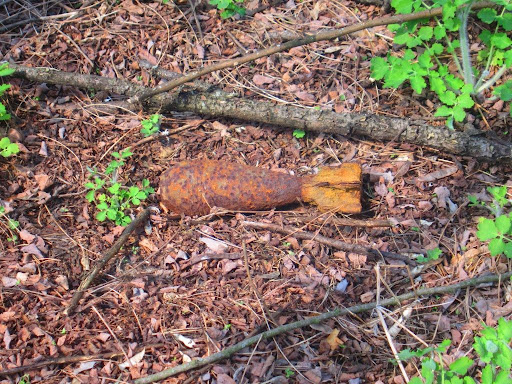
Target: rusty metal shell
<point>193,187</point>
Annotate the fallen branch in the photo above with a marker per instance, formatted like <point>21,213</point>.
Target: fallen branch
<point>347,221</point>
<point>230,351</point>
<point>71,359</point>
<point>88,280</point>
<point>338,244</point>
<point>321,36</point>
<point>216,103</point>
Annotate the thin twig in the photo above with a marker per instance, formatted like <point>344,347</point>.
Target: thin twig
<point>87,281</point>
<point>338,244</point>
<point>230,351</point>
<point>71,360</point>
<point>308,39</point>
<point>348,221</point>
<point>389,338</point>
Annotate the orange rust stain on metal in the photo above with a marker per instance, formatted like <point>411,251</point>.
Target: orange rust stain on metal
<point>193,187</point>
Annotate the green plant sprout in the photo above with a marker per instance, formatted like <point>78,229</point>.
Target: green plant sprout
<point>7,148</point>
<point>114,165</point>
<point>299,133</point>
<point>493,351</point>
<point>10,226</point>
<point>25,379</point>
<point>289,373</point>
<point>151,125</point>
<point>229,8</point>
<point>432,254</point>
<point>4,71</point>
<point>497,231</point>
<point>429,44</point>
<point>113,199</point>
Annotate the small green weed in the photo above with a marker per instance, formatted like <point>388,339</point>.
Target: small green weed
<point>497,231</point>
<point>299,133</point>
<point>227,327</point>
<point>151,125</point>
<point>25,379</point>
<point>493,351</point>
<point>288,372</point>
<point>112,198</point>
<point>10,226</point>
<point>4,71</point>
<point>7,148</point>
<point>432,254</point>
<point>229,8</point>
<point>429,46</point>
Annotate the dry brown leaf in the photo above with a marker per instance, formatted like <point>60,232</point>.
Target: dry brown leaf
<point>306,96</point>
<point>42,180</point>
<point>26,236</point>
<point>7,339</point>
<point>31,249</point>
<point>147,244</point>
<point>222,378</point>
<point>333,340</point>
<point>7,316</point>
<point>367,297</point>
<point>260,80</point>
<point>438,174</point>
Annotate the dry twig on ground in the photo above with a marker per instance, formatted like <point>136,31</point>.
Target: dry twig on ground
<point>222,104</point>
<point>230,351</point>
<point>88,280</point>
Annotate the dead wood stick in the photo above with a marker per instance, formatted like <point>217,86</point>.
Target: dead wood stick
<point>88,280</point>
<point>230,351</point>
<point>70,360</point>
<point>308,39</point>
<point>219,104</point>
<point>338,244</point>
<point>347,221</point>
<point>265,311</point>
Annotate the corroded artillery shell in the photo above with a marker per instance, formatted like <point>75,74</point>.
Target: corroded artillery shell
<point>194,187</point>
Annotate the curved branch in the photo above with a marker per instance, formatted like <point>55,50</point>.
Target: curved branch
<point>212,102</point>
<point>321,36</point>
<point>230,351</point>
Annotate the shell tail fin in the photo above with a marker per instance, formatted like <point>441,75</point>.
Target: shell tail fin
<point>336,189</point>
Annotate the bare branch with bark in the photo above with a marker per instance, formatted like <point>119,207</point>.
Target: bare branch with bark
<point>215,103</point>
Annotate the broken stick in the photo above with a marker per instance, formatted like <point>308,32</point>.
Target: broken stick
<point>88,280</point>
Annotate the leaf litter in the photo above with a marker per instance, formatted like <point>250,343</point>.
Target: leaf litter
<point>154,290</point>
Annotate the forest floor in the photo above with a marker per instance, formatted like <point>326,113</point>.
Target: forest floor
<point>181,289</point>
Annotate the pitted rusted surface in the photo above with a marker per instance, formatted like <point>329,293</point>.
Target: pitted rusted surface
<point>193,187</point>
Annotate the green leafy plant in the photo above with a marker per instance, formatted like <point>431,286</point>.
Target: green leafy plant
<point>7,148</point>
<point>151,125</point>
<point>289,373</point>
<point>497,231</point>
<point>229,8</point>
<point>4,71</point>
<point>493,351</point>
<point>9,226</point>
<point>25,379</point>
<point>112,198</point>
<point>432,254</point>
<point>428,45</point>
<point>299,133</point>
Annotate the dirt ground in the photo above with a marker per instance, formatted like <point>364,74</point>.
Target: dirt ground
<point>181,288</point>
